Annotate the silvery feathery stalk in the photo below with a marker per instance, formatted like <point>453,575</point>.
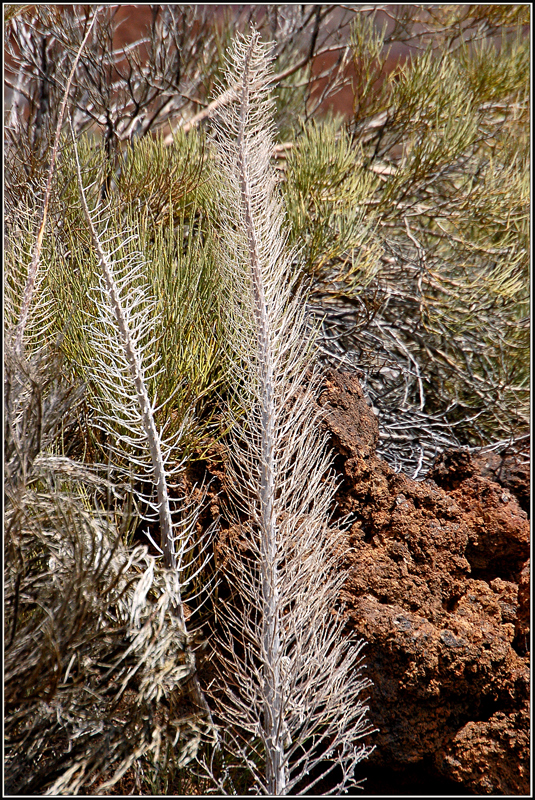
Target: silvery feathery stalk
<point>292,681</point>
<point>28,314</point>
<point>124,363</point>
<point>33,270</point>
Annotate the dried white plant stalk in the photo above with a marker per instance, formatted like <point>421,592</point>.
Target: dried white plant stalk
<point>123,366</point>
<point>33,270</point>
<point>292,682</point>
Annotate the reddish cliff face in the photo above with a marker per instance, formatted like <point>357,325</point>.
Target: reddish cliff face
<point>438,586</point>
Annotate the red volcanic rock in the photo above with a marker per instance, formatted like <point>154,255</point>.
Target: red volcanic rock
<point>524,607</point>
<point>499,530</point>
<point>438,586</point>
<point>492,756</point>
<point>454,466</point>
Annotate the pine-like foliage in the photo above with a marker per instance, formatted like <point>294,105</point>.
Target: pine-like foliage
<point>290,701</point>
<point>433,302</point>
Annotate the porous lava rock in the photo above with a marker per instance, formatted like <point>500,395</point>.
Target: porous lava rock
<point>439,588</point>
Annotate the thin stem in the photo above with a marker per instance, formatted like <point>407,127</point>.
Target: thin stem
<point>36,258</point>
<point>276,777</point>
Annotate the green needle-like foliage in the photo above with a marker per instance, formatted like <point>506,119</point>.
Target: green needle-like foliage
<point>326,190</point>
<point>427,193</point>
<point>178,266</point>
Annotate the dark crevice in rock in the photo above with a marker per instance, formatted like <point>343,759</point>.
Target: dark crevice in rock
<point>412,780</point>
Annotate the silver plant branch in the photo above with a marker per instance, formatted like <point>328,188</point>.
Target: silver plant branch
<point>148,435</point>
<point>271,637</point>
<point>291,704</point>
<point>36,258</point>
<point>232,92</point>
